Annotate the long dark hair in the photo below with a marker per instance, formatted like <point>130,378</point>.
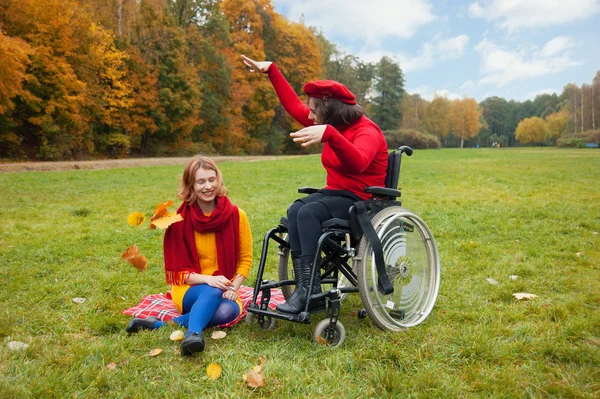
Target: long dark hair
<point>335,112</point>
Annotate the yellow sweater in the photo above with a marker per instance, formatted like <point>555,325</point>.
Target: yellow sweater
<point>207,253</point>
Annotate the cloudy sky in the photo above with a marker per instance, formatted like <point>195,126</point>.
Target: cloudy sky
<point>509,48</point>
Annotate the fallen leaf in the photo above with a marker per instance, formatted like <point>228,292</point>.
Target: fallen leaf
<point>492,281</point>
<point>255,378</point>
<point>159,212</point>
<point>79,300</point>
<point>135,218</point>
<point>321,340</point>
<point>523,295</point>
<point>579,254</point>
<point>218,334</point>
<point>16,345</point>
<point>213,371</point>
<point>166,221</point>
<point>177,335</point>
<point>111,366</point>
<point>513,277</point>
<point>155,352</point>
<point>135,258</point>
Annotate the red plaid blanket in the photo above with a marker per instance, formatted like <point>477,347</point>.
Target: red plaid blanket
<point>161,306</point>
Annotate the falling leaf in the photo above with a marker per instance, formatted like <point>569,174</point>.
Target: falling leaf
<point>111,366</point>
<point>155,352</point>
<point>492,281</point>
<point>523,295</point>
<point>177,335</point>
<point>79,300</point>
<point>135,218</point>
<point>321,340</point>
<point>218,334</point>
<point>213,371</point>
<point>16,345</point>
<point>135,258</point>
<point>166,221</point>
<point>159,212</point>
<point>255,378</point>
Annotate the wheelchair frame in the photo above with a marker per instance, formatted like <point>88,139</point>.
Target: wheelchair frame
<point>337,246</point>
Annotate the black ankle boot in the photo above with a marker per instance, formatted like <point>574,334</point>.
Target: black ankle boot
<point>138,324</point>
<point>191,344</point>
<point>295,305</point>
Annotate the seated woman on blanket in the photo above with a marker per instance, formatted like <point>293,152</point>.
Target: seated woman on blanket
<point>207,255</point>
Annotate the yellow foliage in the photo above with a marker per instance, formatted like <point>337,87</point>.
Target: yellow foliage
<point>531,130</point>
<point>135,218</point>
<point>213,371</point>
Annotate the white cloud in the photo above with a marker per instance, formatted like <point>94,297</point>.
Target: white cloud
<point>370,21</point>
<point>428,93</point>
<point>439,49</point>
<point>557,45</point>
<point>513,14</point>
<point>501,66</point>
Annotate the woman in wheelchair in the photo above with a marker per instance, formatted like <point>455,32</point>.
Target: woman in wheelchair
<point>355,156</point>
<point>207,256</point>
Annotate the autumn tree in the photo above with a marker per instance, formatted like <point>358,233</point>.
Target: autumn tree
<point>438,121</point>
<point>12,75</point>
<point>414,112</point>
<point>531,131</point>
<point>464,119</point>
<point>556,123</point>
<point>389,90</point>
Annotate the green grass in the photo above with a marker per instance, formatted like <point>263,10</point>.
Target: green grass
<point>534,213</point>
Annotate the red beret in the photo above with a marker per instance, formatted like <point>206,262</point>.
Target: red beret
<point>329,88</point>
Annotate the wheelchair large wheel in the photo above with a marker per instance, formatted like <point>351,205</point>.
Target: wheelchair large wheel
<point>413,267</point>
<point>285,271</point>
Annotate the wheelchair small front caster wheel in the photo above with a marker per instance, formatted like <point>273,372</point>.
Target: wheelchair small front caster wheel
<point>267,322</point>
<point>321,334</point>
<point>362,314</point>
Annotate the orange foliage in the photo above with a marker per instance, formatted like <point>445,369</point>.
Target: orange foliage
<point>135,258</point>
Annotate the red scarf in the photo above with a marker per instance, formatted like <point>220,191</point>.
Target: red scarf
<point>180,252</point>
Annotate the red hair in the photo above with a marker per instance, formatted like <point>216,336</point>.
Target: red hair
<point>186,192</point>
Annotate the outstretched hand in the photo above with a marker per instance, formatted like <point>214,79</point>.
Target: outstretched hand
<point>262,66</point>
<point>309,135</point>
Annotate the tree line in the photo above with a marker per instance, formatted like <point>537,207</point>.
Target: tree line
<point>98,78</point>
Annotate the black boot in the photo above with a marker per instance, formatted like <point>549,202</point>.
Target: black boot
<point>138,324</point>
<point>296,304</point>
<point>297,276</point>
<point>191,344</point>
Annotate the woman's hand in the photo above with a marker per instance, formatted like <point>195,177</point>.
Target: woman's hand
<point>221,282</point>
<point>262,66</point>
<point>231,295</point>
<point>309,135</point>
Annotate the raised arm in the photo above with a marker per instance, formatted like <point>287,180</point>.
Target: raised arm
<point>288,97</point>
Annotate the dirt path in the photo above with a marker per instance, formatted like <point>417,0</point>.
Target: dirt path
<point>123,163</point>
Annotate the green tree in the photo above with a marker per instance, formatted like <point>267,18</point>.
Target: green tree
<point>389,91</point>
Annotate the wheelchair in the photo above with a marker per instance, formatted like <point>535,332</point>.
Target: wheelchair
<point>384,252</point>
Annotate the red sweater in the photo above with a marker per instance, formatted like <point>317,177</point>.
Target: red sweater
<point>354,156</point>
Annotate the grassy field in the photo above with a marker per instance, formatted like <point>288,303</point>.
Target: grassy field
<point>534,213</point>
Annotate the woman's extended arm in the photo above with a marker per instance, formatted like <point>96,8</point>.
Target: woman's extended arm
<point>288,97</point>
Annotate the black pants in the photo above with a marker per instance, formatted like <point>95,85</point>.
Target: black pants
<point>306,215</point>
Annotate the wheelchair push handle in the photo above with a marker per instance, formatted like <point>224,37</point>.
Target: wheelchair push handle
<point>405,150</point>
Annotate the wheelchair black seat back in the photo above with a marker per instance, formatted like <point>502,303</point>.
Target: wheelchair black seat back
<point>384,252</point>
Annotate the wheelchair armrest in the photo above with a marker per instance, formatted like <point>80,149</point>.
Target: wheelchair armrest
<point>382,191</point>
<point>308,190</point>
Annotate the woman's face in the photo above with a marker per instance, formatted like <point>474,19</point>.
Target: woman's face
<point>205,185</point>
<point>313,112</point>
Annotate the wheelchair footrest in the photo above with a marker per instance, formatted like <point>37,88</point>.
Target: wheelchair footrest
<point>298,318</point>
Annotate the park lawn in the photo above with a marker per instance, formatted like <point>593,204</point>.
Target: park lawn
<point>533,213</point>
